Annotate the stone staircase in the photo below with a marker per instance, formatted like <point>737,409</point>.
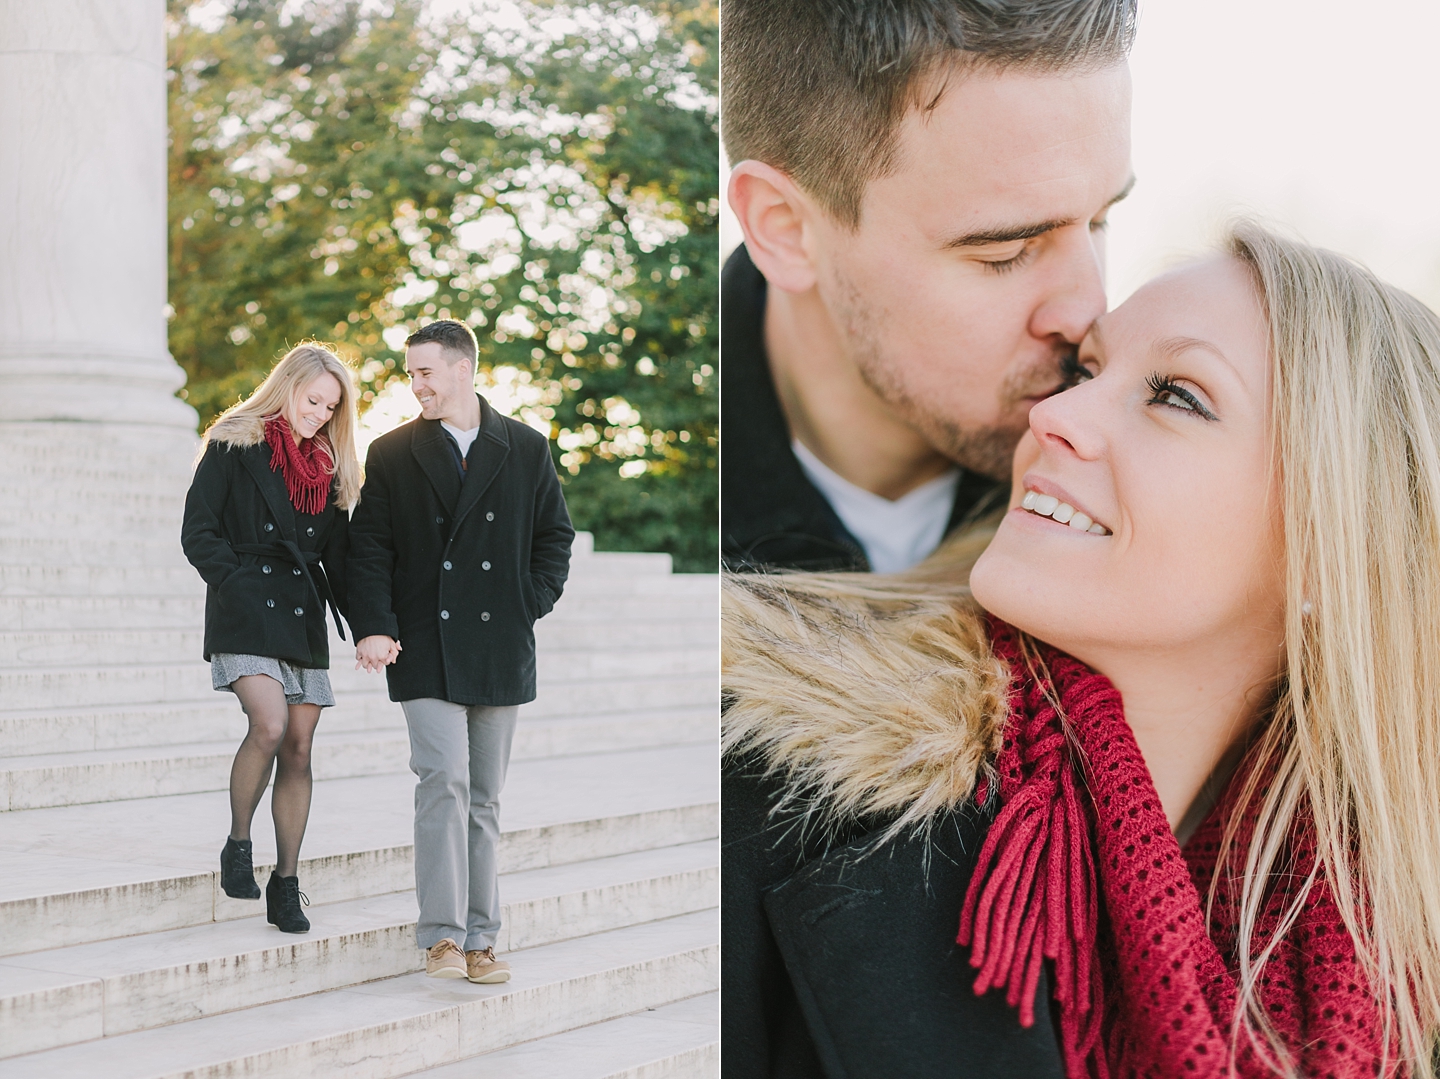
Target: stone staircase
<point>119,954</point>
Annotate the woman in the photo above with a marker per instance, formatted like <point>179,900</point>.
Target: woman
<point>1230,522</point>
<point>265,524</point>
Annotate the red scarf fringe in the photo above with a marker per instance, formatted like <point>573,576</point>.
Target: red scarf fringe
<point>1080,867</point>
<point>308,469</point>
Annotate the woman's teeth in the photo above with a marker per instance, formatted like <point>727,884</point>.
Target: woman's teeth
<point>1052,507</point>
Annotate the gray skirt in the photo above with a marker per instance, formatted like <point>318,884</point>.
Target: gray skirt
<point>303,685</point>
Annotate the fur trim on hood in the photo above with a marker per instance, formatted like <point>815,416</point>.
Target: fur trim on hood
<point>871,695</point>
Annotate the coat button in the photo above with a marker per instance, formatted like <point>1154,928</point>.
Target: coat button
<point>309,532</point>
<point>439,520</point>
<point>447,565</point>
<point>296,571</point>
<point>489,516</point>
<point>269,527</point>
<point>484,616</point>
<point>484,565</point>
<point>299,611</point>
<point>264,569</point>
<point>269,603</point>
<point>444,614</point>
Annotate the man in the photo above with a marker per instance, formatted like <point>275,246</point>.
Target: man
<point>459,543</point>
<point>923,188</point>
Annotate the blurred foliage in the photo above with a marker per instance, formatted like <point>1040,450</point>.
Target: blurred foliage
<point>548,172</point>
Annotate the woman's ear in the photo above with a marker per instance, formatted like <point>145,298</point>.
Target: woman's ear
<point>775,215</point>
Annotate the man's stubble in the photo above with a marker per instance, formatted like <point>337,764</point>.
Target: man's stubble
<point>988,450</point>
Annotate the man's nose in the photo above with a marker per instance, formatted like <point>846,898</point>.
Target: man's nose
<point>1076,294</point>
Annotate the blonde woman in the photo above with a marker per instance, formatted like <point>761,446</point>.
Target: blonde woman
<point>266,525</point>
<point>1165,774</point>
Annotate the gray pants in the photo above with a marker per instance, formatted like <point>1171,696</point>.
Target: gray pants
<point>460,752</point>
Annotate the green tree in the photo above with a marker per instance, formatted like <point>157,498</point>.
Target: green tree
<point>346,174</point>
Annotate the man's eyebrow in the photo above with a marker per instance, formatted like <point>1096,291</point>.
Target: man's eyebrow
<point>1003,234</point>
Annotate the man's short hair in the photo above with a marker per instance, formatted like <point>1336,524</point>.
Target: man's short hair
<point>817,88</point>
<point>450,335</point>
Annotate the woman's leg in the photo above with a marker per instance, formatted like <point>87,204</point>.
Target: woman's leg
<point>263,699</point>
<point>290,800</point>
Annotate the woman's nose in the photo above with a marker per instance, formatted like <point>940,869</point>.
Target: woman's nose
<point>1066,421</point>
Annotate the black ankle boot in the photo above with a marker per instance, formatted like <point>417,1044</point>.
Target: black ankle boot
<point>282,904</point>
<point>237,873</point>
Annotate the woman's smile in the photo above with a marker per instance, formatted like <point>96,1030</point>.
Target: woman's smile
<point>1060,508</point>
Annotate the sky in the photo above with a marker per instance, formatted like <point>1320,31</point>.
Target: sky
<point>1319,116</point>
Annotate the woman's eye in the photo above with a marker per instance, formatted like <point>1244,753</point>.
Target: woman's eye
<point>1164,390</point>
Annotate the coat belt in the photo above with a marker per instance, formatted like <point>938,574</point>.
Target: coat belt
<point>290,551</point>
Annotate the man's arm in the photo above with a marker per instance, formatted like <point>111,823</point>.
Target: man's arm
<point>551,537</point>
<point>370,567</point>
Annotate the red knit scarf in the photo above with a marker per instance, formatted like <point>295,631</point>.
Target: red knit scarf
<point>1080,867</point>
<point>307,468</point>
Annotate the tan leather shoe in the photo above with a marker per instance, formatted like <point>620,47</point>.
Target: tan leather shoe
<point>483,967</point>
<point>445,960</point>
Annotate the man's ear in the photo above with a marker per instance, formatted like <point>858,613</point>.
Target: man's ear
<point>775,216</point>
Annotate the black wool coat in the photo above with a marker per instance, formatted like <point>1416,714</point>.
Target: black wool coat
<point>269,570</point>
<point>838,957</point>
<point>458,572</point>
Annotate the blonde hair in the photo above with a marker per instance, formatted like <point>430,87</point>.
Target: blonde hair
<point>1353,739</point>
<point>243,424</point>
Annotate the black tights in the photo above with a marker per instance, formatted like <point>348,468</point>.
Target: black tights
<point>280,735</point>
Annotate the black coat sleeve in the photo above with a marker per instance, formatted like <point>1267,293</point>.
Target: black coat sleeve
<point>762,1030</point>
<point>202,533</point>
<point>551,537</point>
<point>370,567</point>
<point>336,557</point>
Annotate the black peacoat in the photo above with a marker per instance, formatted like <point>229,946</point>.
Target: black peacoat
<point>458,572</point>
<point>837,952</point>
<point>270,570</point>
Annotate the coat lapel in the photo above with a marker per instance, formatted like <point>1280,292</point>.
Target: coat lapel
<point>437,461</point>
<point>272,489</point>
<point>485,459</point>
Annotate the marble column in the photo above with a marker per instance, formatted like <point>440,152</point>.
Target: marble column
<point>82,216</point>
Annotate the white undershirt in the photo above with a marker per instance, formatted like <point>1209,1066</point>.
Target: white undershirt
<point>895,534</point>
<point>463,438</point>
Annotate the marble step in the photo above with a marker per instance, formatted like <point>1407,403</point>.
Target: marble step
<point>73,874</point>
<point>656,677</point>
<point>398,1025</point>
<point>674,1041</point>
<point>37,781</point>
<point>553,636</point>
<point>93,495</point>
<point>61,996</point>
<point>47,578</point>
<point>113,518</point>
<point>78,730</point>
<point>63,580</point>
<point>33,613</point>
<point>154,722</point>
<point>28,732</point>
<point>93,550</point>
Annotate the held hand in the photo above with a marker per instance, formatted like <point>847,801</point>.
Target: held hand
<point>376,652</point>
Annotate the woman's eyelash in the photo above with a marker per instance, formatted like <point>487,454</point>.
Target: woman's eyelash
<point>1072,371</point>
<point>1166,391</point>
